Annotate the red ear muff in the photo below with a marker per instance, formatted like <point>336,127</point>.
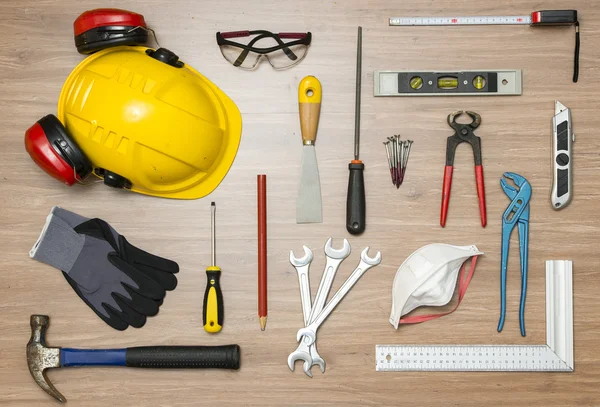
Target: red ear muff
<point>49,145</point>
<point>108,27</point>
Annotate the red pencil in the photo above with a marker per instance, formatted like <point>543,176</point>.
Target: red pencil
<point>261,186</point>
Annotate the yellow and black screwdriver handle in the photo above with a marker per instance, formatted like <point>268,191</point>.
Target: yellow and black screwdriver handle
<point>213,301</point>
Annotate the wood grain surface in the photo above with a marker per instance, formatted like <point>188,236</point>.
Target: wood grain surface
<point>36,55</point>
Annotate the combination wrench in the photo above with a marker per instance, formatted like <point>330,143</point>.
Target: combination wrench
<point>366,262</point>
<point>305,352</point>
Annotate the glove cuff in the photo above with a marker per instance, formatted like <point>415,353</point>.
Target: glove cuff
<point>74,220</point>
<point>71,218</point>
<point>58,245</point>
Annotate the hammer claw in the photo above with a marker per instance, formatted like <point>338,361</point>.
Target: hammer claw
<point>49,387</point>
<point>41,357</point>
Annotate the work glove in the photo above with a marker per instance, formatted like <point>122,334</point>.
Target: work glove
<point>157,268</point>
<point>120,294</point>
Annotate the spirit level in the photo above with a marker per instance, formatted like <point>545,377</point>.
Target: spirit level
<point>461,83</point>
<point>537,18</point>
<point>555,356</point>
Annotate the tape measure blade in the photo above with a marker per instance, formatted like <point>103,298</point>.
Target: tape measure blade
<point>460,20</point>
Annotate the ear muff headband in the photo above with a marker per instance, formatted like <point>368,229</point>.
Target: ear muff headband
<point>49,145</point>
<point>102,28</point>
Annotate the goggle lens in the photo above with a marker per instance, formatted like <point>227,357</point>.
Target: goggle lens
<point>245,52</point>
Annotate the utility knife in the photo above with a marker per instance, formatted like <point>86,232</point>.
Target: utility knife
<point>562,158</point>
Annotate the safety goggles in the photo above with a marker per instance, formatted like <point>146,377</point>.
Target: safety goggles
<point>259,43</point>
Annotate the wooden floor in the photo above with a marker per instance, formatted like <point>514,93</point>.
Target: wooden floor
<point>36,55</point>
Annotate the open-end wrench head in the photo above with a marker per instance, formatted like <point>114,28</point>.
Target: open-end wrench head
<point>309,334</point>
<point>372,261</point>
<point>302,261</point>
<point>337,253</point>
<point>317,361</point>
<point>299,355</point>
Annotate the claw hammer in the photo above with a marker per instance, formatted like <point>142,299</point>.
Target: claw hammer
<point>41,357</point>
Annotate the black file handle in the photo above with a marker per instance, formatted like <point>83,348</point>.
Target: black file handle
<point>355,203</point>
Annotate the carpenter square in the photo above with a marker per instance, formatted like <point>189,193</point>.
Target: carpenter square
<point>557,355</point>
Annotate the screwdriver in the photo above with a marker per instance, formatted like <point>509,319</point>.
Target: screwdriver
<point>355,202</point>
<point>213,297</point>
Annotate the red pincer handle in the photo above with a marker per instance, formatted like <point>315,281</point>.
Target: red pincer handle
<point>446,193</point>
<point>481,193</point>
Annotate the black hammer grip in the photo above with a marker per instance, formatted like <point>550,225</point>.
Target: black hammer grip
<point>179,357</point>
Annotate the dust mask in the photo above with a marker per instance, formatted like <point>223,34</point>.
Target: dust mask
<point>428,278</point>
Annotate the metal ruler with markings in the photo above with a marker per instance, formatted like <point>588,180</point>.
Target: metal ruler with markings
<point>545,17</point>
<point>555,356</point>
<point>485,20</point>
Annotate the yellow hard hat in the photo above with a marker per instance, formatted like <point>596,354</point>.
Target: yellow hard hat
<point>148,122</point>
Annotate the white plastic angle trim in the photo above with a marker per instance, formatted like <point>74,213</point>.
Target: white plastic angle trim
<point>559,310</point>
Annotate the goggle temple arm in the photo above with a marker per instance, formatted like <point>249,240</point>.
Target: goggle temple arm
<point>235,34</point>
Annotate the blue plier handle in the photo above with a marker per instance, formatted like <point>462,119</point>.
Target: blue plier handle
<point>517,213</point>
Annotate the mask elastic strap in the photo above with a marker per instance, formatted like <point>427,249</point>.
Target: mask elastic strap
<point>462,290</point>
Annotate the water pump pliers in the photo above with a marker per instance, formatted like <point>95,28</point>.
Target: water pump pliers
<point>516,214</point>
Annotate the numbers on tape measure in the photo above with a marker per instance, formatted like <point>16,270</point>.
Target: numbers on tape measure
<point>462,20</point>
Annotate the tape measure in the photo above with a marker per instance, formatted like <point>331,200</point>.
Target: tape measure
<point>555,356</point>
<point>546,17</point>
<point>487,20</point>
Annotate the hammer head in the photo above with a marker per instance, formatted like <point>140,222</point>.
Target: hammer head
<point>41,357</point>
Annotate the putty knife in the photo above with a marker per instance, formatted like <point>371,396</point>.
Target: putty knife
<point>308,205</point>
